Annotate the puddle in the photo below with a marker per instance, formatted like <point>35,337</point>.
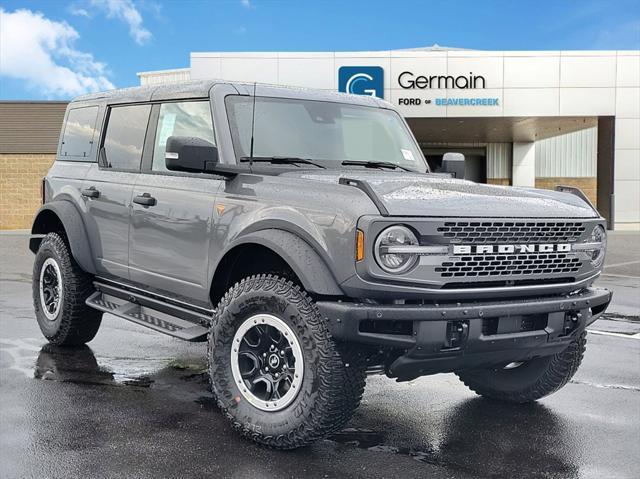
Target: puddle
<point>621,317</point>
<point>79,365</point>
<point>374,441</point>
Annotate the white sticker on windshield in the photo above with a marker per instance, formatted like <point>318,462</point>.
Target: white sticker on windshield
<point>408,155</point>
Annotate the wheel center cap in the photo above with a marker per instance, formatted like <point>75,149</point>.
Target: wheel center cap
<point>274,361</point>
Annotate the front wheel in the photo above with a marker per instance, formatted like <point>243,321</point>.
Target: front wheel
<point>276,373</point>
<point>530,380</point>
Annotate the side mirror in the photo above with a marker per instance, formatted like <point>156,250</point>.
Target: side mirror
<point>453,163</point>
<point>187,153</point>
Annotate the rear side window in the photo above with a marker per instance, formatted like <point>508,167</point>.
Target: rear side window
<point>79,133</point>
<point>124,138</point>
<point>188,118</point>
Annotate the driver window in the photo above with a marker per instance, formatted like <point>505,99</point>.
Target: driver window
<point>189,118</point>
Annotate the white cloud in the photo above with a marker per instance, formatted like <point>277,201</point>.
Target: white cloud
<point>246,3</point>
<point>79,12</point>
<point>127,12</point>
<point>41,52</point>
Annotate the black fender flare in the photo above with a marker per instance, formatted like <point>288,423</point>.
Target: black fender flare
<point>306,263</point>
<point>71,221</point>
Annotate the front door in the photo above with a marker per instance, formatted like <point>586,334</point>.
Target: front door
<point>108,187</point>
<point>170,235</point>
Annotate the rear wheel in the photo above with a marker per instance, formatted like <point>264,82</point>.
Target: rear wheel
<point>276,372</point>
<point>60,289</point>
<point>530,380</point>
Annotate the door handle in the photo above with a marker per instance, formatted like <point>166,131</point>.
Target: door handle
<point>91,192</point>
<point>145,199</point>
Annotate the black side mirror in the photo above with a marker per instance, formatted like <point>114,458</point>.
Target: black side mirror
<point>187,153</point>
<point>453,163</point>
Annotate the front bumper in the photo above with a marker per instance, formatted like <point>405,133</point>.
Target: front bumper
<point>447,337</point>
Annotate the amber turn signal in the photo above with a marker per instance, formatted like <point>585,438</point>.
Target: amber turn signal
<point>359,245</point>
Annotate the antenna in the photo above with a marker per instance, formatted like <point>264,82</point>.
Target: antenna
<point>253,123</point>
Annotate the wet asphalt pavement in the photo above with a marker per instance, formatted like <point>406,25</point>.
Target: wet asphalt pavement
<point>136,404</point>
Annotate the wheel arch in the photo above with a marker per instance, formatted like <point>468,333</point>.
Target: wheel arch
<point>63,217</point>
<point>273,247</point>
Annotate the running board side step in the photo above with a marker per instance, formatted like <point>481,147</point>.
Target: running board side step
<point>145,315</point>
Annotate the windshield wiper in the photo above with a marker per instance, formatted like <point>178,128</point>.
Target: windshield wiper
<point>280,160</point>
<point>375,164</point>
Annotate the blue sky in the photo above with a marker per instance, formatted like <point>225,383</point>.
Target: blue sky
<point>57,49</point>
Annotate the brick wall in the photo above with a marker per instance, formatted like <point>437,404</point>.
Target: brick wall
<point>499,181</point>
<point>589,186</point>
<point>20,182</point>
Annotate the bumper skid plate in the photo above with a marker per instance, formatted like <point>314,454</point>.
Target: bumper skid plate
<point>442,337</point>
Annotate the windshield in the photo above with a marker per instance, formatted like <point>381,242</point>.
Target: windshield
<point>325,132</point>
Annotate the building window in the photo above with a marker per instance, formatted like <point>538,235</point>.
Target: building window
<point>124,139</point>
<point>189,118</point>
<point>79,131</point>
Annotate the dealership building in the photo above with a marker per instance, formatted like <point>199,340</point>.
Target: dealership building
<point>527,118</point>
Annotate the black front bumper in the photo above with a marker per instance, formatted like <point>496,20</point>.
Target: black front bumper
<point>447,337</point>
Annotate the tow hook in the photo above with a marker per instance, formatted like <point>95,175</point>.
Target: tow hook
<point>457,333</point>
<point>571,321</point>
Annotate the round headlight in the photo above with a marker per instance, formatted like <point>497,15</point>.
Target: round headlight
<point>598,237</point>
<point>395,261</point>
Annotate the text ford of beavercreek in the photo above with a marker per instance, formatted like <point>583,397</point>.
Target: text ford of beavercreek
<point>302,234</point>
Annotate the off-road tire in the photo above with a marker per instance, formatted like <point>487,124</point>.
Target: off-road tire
<point>333,380</point>
<point>75,323</point>
<point>530,381</point>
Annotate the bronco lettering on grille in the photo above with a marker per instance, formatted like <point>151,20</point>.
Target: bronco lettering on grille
<point>462,249</point>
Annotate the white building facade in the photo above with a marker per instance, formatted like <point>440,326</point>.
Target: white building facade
<point>521,118</point>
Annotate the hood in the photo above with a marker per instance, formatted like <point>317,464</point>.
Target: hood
<point>414,194</point>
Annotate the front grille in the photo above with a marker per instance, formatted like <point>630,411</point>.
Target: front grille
<point>512,232</point>
<point>509,265</point>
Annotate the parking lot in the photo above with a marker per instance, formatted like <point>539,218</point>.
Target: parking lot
<point>136,404</point>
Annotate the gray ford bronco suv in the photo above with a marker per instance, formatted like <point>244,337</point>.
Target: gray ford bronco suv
<point>302,234</point>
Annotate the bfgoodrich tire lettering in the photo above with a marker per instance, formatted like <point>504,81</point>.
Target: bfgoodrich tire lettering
<point>530,381</point>
<point>73,322</point>
<point>333,380</point>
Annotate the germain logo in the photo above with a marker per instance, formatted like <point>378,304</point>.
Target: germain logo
<point>408,80</point>
<point>361,81</point>
<point>511,248</point>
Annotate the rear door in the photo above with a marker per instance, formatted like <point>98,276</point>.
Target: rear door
<point>170,236</point>
<point>108,187</point>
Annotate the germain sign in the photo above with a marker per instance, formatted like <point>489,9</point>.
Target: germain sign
<point>369,80</point>
<point>361,80</point>
<point>408,80</point>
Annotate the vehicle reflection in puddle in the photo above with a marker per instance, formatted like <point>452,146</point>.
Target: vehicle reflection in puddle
<point>79,365</point>
<point>530,438</point>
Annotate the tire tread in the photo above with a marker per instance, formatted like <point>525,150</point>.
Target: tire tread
<point>557,374</point>
<point>79,323</point>
<point>341,374</point>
